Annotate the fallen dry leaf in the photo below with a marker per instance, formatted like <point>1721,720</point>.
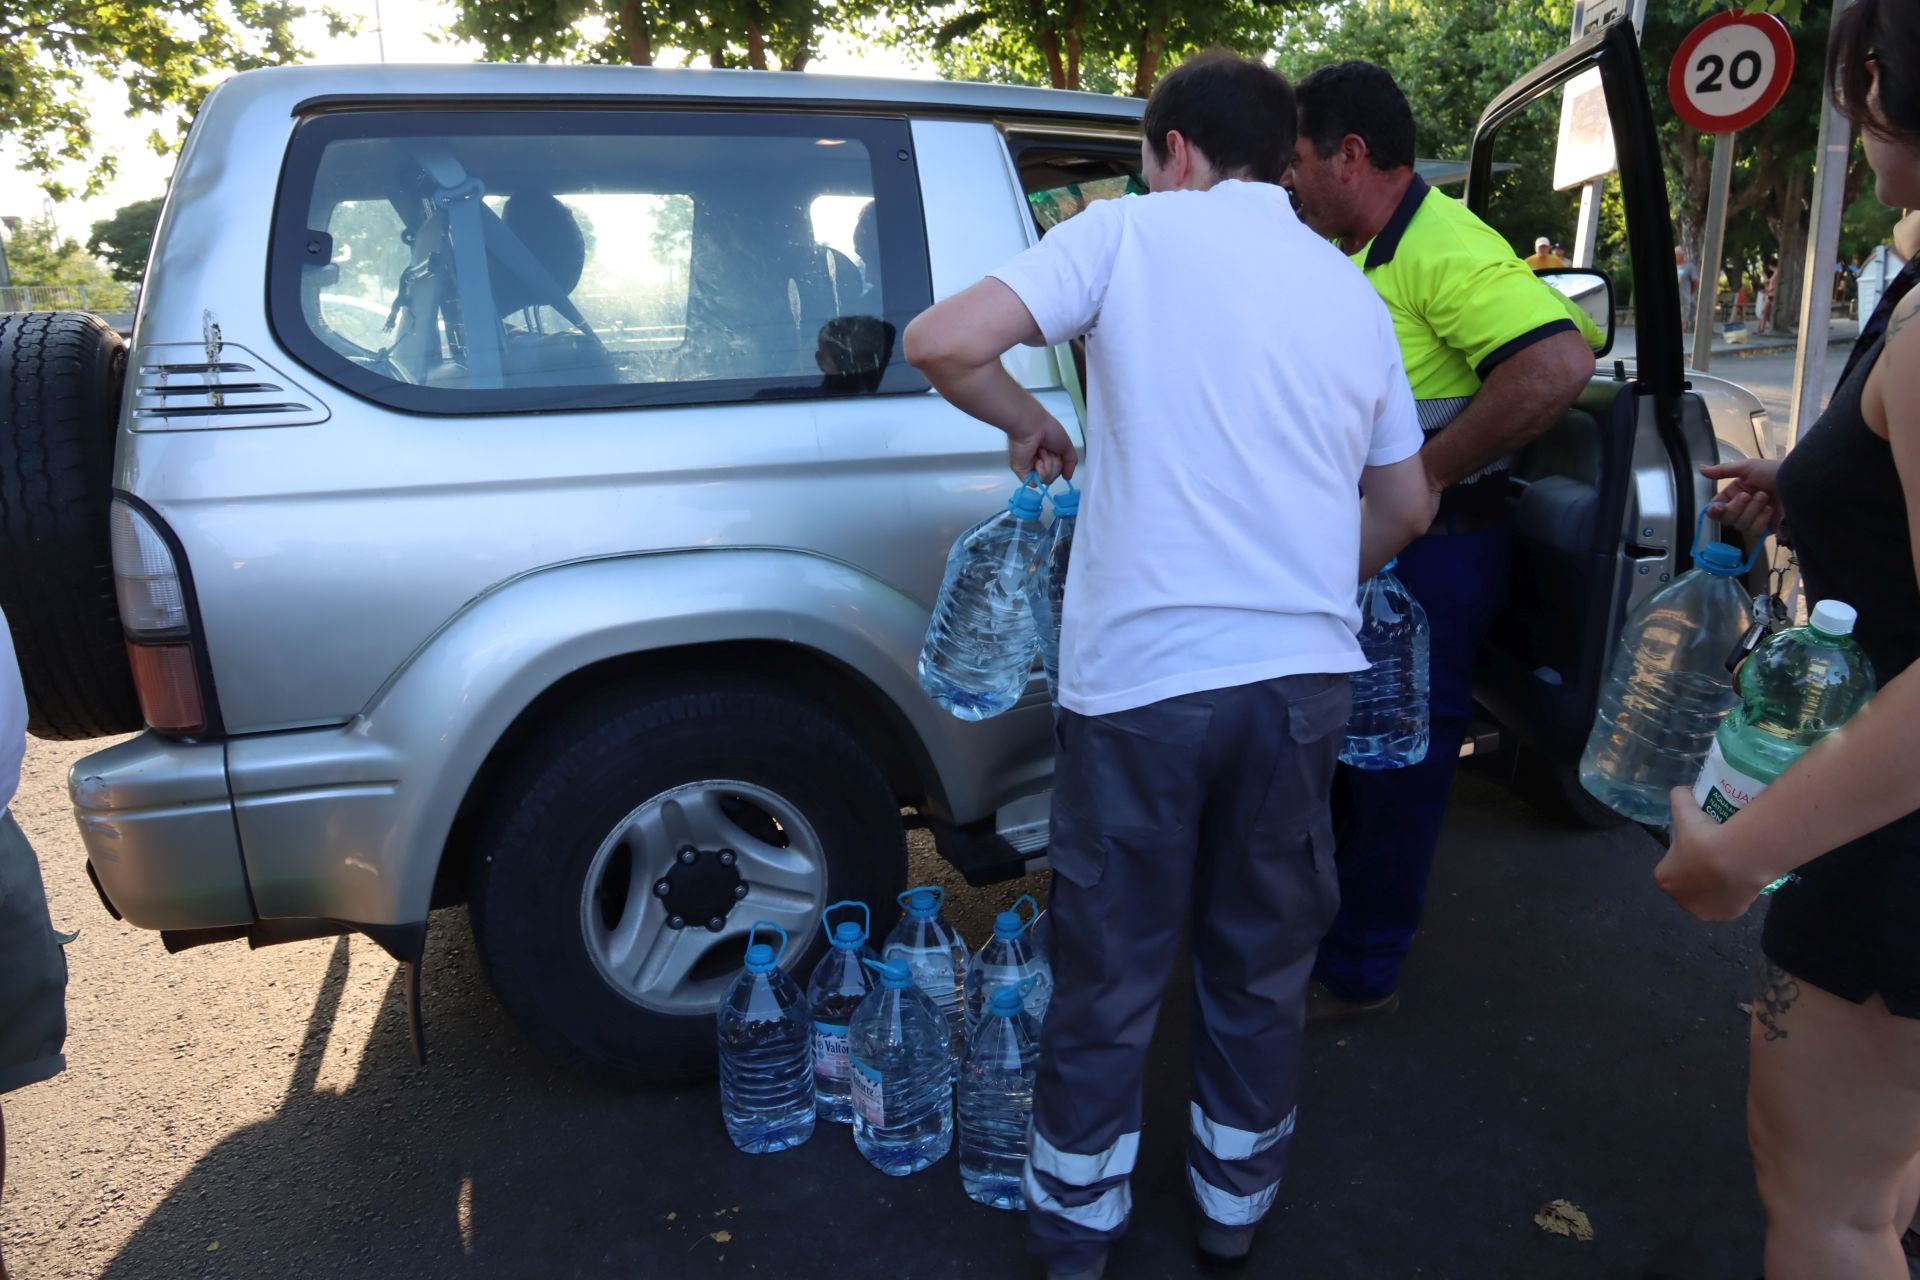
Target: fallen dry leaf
<point>721,1237</point>
<point>1561,1218</point>
<point>672,1215</point>
<point>214,1247</point>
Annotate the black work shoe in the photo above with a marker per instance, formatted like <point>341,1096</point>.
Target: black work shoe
<point>1326,1009</point>
<point>1219,1246</point>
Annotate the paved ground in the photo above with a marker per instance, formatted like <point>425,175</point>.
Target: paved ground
<point>1567,1034</point>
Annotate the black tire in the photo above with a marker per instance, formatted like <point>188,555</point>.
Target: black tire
<point>573,784</point>
<point>1554,789</point>
<point>62,373</point>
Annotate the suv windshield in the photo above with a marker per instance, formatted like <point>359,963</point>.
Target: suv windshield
<point>476,261</point>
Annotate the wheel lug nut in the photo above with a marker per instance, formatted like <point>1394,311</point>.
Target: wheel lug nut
<point>661,888</point>
<point>739,891</point>
<point>688,854</point>
<point>716,924</point>
<point>727,857</point>
<point>676,922</point>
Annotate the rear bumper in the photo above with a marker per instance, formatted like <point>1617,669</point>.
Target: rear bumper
<point>156,817</point>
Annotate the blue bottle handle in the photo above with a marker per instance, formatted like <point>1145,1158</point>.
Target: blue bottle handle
<point>1699,540</point>
<point>866,921</point>
<point>1028,899</point>
<point>757,925</point>
<point>939,896</point>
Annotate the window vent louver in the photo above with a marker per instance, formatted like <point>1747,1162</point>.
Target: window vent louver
<point>177,388</point>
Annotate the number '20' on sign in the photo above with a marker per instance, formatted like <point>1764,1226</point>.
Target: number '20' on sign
<point>1730,71</point>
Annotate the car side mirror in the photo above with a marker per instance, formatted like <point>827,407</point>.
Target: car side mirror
<point>1591,293</point>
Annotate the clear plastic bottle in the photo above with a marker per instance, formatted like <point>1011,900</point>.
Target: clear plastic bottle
<point>1050,586</point>
<point>980,645</point>
<point>1009,959</point>
<point>937,956</point>
<point>1390,725</point>
<point>996,1101</point>
<point>1795,690</point>
<point>766,1058</point>
<point>902,1086</point>
<point>1668,687</point>
<point>839,982</point>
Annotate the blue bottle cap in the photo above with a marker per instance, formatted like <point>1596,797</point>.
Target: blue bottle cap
<point>1008,925</point>
<point>1025,502</point>
<point>762,958</point>
<point>1718,559</point>
<point>923,903</point>
<point>894,974</point>
<point>1066,505</point>
<point>848,936</point>
<point>1006,1002</point>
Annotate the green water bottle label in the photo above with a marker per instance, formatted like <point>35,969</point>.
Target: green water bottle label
<point>1723,790</point>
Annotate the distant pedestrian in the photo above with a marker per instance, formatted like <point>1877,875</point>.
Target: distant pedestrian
<point>33,969</point>
<point>1768,292</point>
<point>1687,275</point>
<point>1543,258</point>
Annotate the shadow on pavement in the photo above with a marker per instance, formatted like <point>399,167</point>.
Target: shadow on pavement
<point>1567,1034</point>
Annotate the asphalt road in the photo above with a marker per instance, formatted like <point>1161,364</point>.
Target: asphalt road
<point>1567,1034</point>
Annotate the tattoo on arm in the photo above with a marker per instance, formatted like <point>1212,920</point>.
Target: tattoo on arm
<point>1777,994</point>
<point>1902,316</point>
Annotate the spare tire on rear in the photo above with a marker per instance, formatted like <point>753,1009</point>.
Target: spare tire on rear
<point>60,378</point>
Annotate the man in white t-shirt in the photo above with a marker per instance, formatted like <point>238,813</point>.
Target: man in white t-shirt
<point>33,971</point>
<point>1243,385</point>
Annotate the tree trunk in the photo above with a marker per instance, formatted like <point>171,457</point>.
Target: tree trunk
<point>1146,66</point>
<point>756,45</point>
<point>797,60</point>
<point>1073,56</point>
<point>636,34</point>
<point>1048,38</point>
<point>1790,223</point>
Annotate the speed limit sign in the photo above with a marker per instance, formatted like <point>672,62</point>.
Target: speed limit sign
<point>1730,71</point>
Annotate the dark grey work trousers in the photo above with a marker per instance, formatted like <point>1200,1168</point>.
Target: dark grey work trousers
<point>1203,815</point>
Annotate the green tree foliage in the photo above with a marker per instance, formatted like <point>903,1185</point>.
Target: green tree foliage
<point>126,238</point>
<point>37,254</point>
<point>164,54</point>
<point>1109,46</point>
<point>1451,59</point>
<point>759,34</point>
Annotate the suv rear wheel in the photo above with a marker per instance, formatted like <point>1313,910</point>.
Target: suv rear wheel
<point>60,379</point>
<point>631,848</point>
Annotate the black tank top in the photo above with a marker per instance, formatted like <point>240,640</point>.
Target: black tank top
<point>1847,516</point>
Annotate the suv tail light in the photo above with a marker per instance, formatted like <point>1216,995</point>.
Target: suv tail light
<point>153,612</point>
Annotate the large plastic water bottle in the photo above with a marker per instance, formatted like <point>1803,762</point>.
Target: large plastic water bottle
<point>1009,959</point>
<point>1795,690</point>
<point>839,982</point>
<point>996,1101</point>
<point>1668,687</point>
<point>766,1060</point>
<point>1391,721</point>
<point>936,955</point>
<point>1050,585</point>
<point>902,1085</point>
<point>978,654</point>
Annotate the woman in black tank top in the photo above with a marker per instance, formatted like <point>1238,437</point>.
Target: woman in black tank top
<point>1833,1096</point>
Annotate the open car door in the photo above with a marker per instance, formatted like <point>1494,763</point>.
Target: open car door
<point>1605,501</point>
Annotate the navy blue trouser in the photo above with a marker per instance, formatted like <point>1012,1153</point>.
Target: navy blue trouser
<point>1461,581</point>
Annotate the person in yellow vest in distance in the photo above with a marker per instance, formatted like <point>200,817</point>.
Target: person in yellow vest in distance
<point>1543,255</point>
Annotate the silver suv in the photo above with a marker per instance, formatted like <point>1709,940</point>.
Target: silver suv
<point>519,497</point>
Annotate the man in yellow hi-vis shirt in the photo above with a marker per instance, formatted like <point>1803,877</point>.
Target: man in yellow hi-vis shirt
<point>1495,357</point>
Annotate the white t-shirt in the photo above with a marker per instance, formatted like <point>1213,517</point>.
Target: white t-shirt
<point>1241,372</point>
<point>13,718</point>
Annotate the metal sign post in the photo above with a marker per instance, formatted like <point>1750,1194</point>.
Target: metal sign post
<point>1584,102</point>
<point>1823,248</point>
<point>1712,251</point>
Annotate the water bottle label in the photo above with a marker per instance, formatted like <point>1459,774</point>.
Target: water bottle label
<point>1723,790</point>
<point>830,1051</point>
<point>869,1096</point>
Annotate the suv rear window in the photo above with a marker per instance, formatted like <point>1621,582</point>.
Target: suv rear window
<point>496,261</point>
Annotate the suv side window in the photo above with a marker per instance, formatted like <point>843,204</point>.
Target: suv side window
<point>493,261</point>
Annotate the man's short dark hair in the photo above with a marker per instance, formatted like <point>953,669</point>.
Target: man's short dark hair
<point>1238,111</point>
<point>1361,99</point>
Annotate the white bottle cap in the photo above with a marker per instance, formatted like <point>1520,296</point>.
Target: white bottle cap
<point>1834,617</point>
